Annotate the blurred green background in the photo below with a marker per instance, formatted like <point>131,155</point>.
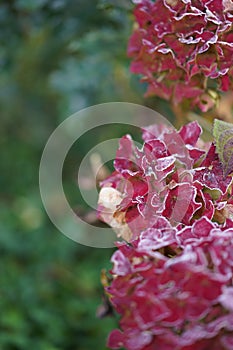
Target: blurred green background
<point>56,58</point>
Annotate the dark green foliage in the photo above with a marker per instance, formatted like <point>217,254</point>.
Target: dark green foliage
<point>56,57</point>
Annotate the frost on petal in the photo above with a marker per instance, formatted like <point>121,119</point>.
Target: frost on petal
<point>208,208</point>
<point>153,239</point>
<point>155,149</point>
<point>199,230</point>
<point>180,203</point>
<point>125,161</point>
<point>172,282</point>
<point>211,173</point>
<point>212,177</point>
<point>176,147</point>
<point>174,302</point>
<point>121,264</point>
<point>226,298</point>
<point>138,340</point>
<point>192,37</point>
<point>154,131</point>
<point>202,227</point>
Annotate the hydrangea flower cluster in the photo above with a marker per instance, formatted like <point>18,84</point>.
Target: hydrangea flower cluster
<point>174,175</point>
<point>172,277</point>
<point>181,47</point>
<point>173,289</point>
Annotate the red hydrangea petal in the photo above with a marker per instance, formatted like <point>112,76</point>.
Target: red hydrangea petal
<point>180,204</point>
<point>213,177</point>
<point>190,133</point>
<point>192,36</point>
<point>116,339</point>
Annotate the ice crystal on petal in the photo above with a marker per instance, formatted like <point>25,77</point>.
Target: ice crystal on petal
<point>186,296</point>
<point>181,47</point>
<point>172,203</point>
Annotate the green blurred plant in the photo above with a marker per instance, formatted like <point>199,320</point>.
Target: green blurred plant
<point>56,57</point>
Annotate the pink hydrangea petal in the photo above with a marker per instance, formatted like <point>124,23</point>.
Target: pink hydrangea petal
<point>122,265</point>
<point>137,341</point>
<point>153,239</point>
<point>226,298</point>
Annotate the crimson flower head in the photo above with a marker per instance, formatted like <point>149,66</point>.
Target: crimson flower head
<point>179,297</point>
<point>172,277</point>
<point>184,49</point>
<point>175,174</point>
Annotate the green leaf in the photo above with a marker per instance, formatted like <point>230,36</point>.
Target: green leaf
<point>223,134</point>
